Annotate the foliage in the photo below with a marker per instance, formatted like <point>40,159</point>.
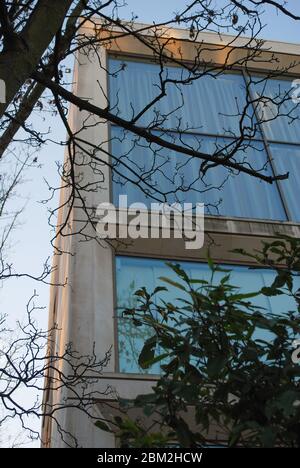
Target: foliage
<point>229,361</point>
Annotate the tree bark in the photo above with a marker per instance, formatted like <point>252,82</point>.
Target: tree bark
<point>20,58</point>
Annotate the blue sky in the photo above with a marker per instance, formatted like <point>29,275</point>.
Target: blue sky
<point>31,240</point>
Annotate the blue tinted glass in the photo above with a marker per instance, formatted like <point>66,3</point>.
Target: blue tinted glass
<point>178,177</point>
<point>208,104</point>
<point>287,159</point>
<point>133,273</point>
<point>279,109</point>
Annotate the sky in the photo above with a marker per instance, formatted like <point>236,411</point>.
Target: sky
<point>31,241</point>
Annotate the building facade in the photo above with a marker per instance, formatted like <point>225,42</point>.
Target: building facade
<point>100,278</point>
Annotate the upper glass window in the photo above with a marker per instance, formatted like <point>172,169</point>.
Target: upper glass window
<point>204,115</point>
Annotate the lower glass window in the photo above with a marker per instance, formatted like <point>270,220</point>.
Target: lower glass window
<point>133,273</point>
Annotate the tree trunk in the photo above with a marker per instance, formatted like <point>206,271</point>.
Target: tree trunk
<point>24,51</point>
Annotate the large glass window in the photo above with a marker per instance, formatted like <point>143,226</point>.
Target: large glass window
<point>134,273</point>
<point>208,112</point>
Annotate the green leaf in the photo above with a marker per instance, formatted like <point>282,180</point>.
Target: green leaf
<point>281,279</point>
<point>173,283</point>
<point>178,270</point>
<point>159,289</point>
<point>159,358</point>
<point>225,279</point>
<point>103,426</point>
<point>210,263</point>
<point>270,291</point>
<point>241,296</point>
<point>198,281</point>
<point>215,365</point>
<point>147,354</point>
